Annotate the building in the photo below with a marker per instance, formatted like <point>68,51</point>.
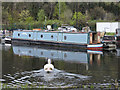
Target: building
<point>107,26</point>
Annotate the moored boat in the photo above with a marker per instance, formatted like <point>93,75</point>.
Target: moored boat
<point>8,39</point>
<point>87,40</point>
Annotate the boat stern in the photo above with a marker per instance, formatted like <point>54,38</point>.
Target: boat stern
<point>95,46</point>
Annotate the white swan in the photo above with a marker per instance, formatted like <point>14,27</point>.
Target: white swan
<point>48,67</point>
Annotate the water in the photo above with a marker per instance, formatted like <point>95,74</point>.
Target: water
<point>23,65</point>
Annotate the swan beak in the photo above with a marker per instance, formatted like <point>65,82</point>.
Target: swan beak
<point>48,71</point>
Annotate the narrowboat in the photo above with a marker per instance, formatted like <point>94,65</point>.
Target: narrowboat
<point>87,40</point>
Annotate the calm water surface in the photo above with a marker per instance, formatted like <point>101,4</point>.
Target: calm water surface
<point>24,65</point>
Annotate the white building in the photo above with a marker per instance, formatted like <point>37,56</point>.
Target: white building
<point>107,26</point>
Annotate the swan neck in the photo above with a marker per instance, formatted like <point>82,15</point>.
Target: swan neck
<point>49,61</point>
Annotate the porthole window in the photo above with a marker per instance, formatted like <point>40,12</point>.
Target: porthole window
<point>41,36</point>
<point>30,51</point>
<point>41,53</point>
<point>65,55</point>
<point>18,50</point>
<point>52,54</point>
<point>18,34</point>
<point>29,35</point>
<point>52,36</point>
<point>65,37</point>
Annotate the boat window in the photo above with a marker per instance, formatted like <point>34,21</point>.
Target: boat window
<point>65,55</point>
<point>52,54</point>
<point>52,36</point>
<point>29,35</point>
<point>65,37</point>
<point>30,51</point>
<point>18,34</point>
<point>41,53</point>
<point>41,36</point>
<point>18,50</point>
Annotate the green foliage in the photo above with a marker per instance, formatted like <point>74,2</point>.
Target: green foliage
<point>24,15</point>
<point>79,18</point>
<point>92,24</point>
<point>60,11</point>
<point>109,17</point>
<point>29,20</point>
<point>50,22</point>
<point>77,14</point>
<point>66,16</point>
<point>98,13</point>
<point>25,18</point>
<point>110,34</point>
<point>10,19</point>
<point>41,15</point>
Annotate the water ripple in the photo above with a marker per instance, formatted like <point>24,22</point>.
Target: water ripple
<point>57,78</point>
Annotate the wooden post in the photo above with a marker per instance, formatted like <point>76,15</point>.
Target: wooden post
<point>98,59</point>
<point>91,57</point>
<point>98,37</point>
<point>90,38</point>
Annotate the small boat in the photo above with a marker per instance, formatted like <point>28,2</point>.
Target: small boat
<point>7,39</point>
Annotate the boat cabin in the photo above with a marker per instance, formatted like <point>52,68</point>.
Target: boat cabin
<point>95,37</point>
<point>118,34</point>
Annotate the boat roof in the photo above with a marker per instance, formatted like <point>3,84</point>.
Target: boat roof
<point>54,31</point>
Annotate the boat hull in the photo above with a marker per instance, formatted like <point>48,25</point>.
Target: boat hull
<point>35,42</point>
<point>72,45</point>
<point>95,47</point>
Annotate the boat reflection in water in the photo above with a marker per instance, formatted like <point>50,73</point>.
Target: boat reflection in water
<point>72,67</point>
<point>39,76</point>
<point>83,57</point>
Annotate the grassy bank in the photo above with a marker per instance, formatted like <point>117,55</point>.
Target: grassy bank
<point>111,34</point>
<point>7,86</point>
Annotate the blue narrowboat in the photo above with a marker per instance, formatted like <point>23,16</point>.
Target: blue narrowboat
<point>87,40</point>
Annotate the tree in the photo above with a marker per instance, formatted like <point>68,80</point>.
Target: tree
<point>51,9</point>
<point>78,16</point>
<point>66,16</point>
<point>109,17</point>
<point>97,13</point>
<point>5,19</point>
<point>25,17</point>
<point>34,9</point>
<point>59,10</point>
<point>41,15</point>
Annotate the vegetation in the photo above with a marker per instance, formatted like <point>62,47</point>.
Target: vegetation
<point>110,33</point>
<point>29,15</point>
<point>20,86</point>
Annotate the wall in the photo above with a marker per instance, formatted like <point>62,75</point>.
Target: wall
<point>107,26</point>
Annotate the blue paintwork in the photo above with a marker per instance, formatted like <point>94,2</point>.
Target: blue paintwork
<point>47,36</point>
<point>74,38</point>
<point>23,35</point>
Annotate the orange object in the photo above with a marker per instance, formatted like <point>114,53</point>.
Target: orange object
<point>98,38</point>
<point>90,38</point>
<point>37,29</point>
